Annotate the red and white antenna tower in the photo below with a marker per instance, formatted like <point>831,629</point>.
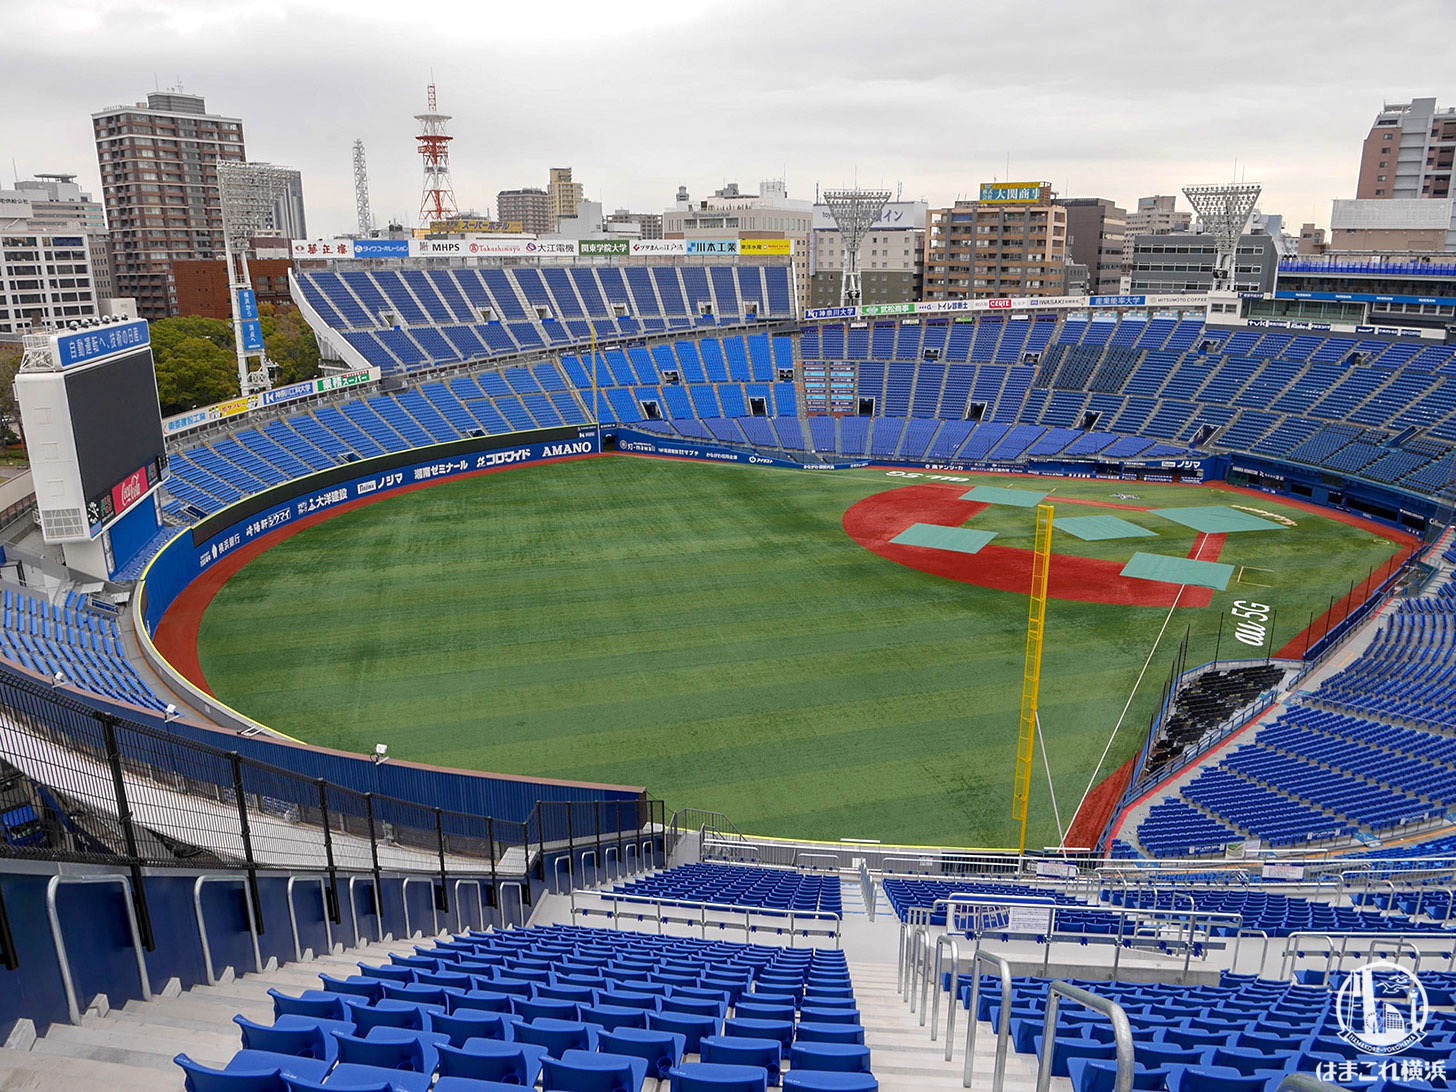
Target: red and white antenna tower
<point>437,199</point>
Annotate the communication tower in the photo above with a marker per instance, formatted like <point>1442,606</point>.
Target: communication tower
<point>437,199</point>
<point>853,212</point>
<point>361,192</point>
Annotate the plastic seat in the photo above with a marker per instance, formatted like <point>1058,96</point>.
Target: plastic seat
<point>354,1077</point>
<point>416,993</point>
<point>590,1071</point>
<point>1245,1061</point>
<point>1209,1079</point>
<point>833,1057</point>
<point>201,1078</point>
<point>549,1007</point>
<point>611,1017</point>
<point>751,1027</point>
<point>389,1014</point>
<point>627,999</point>
<point>818,1080</point>
<point>493,1060</point>
<point>468,1084</point>
<point>483,1000</point>
<point>555,1035</point>
<point>1066,1047</point>
<point>767,1054</point>
<point>662,1050</point>
<point>816,1015</point>
<point>559,991</point>
<point>710,1077</point>
<point>372,988</point>
<point>463,1025</point>
<point>296,1084</point>
<point>391,972</point>
<point>390,1048</point>
<point>296,1035</point>
<point>691,1028</point>
<point>316,1003</point>
<point>1100,1075</point>
<point>765,1009</point>
<point>696,1006</point>
<point>810,1032</point>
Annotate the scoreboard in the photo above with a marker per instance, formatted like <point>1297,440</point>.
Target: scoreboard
<point>93,427</point>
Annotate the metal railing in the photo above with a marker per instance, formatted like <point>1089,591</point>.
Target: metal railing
<point>140,797</point>
<point>1121,1032</point>
<point>1338,947</point>
<point>53,914</point>
<point>1003,1032</point>
<point>752,920</point>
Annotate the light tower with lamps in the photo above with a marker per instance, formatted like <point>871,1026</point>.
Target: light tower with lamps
<point>853,212</point>
<point>1225,210</point>
<point>249,192</point>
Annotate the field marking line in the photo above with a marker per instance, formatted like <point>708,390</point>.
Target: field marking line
<point>1136,685</point>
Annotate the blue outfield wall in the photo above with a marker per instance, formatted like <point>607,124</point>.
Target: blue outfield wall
<point>194,551</point>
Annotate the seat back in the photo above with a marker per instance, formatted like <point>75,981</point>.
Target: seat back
<point>406,1054</point>
<point>504,1066</point>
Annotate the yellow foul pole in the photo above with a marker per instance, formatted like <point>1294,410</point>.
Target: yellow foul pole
<point>1031,674</point>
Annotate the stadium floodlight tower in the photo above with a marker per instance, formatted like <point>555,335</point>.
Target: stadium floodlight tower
<point>1225,211</point>
<point>853,212</point>
<point>361,192</point>
<point>249,193</point>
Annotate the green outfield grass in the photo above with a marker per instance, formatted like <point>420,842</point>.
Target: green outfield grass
<point>710,632</point>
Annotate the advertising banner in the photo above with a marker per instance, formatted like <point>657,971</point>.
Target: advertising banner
<point>659,247</point>
<point>93,344</point>
<point>381,248</point>
<point>712,246</point>
<point>768,247</point>
<point>321,248</point>
<point>184,422</point>
<point>590,248</point>
<point>128,491</point>
<point>1011,193</point>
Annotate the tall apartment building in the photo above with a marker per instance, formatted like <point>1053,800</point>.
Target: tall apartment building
<point>1156,215</point>
<point>1011,242</point>
<point>732,213</point>
<point>891,256</point>
<point>1404,202</point>
<point>528,207</point>
<point>45,280</point>
<point>1096,230</point>
<point>1409,152</point>
<point>159,182</point>
<point>562,195</point>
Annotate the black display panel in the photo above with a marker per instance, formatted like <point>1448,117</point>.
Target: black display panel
<point>117,422</point>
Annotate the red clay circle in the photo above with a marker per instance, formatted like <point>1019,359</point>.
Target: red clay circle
<point>874,521</point>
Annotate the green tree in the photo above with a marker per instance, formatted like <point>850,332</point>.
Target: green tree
<point>289,343</point>
<point>195,363</point>
<point>9,407</point>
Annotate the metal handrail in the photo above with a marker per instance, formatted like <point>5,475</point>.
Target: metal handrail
<point>479,901</point>
<point>955,973</point>
<point>919,941</point>
<point>323,883</point>
<point>570,873</point>
<point>202,924</point>
<point>702,921</point>
<point>867,889</point>
<point>354,910</point>
<point>405,881</point>
<point>1003,1034</point>
<point>1292,952</point>
<point>1121,1033</point>
<point>53,914</point>
<point>520,900</point>
<point>914,916</point>
<point>833,858</point>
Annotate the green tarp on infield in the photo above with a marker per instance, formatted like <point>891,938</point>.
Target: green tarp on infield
<point>1101,528</point>
<point>1215,519</point>
<point>933,536</point>
<point>1179,570</point>
<point>1014,498</point>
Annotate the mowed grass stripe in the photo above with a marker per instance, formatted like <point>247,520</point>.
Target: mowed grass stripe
<point>707,631</point>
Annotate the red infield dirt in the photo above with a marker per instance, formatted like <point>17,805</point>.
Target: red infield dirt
<point>876,520</point>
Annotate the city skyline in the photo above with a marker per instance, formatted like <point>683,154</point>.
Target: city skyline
<point>1121,102</point>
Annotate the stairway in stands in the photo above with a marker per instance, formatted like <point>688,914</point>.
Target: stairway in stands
<point>131,1049</point>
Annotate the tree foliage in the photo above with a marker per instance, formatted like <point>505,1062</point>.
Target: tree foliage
<point>9,406</point>
<point>195,362</point>
<point>289,343</point>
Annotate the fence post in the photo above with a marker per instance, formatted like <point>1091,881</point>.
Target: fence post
<point>494,890</point>
<point>237,764</point>
<point>128,831</point>
<point>374,859</point>
<point>541,842</point>
<point>9,956</point>
<point>443,901</point>
<point>338,918</point>
<point>570,850</point>
<point>597,876</point>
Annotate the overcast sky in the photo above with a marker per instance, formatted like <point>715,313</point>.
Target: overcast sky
<point>1103,98</point>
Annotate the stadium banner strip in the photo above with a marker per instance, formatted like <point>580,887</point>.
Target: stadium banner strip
<point>189,554</point>
<point>493,245</point>
<point>235,407</point>
<point>1009,303</point>
<point>633,442</point>
<point>646,443</point>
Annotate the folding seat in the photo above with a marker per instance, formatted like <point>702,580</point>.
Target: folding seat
<point>691,1028</point>
<point>1201,1079</point>
<point>532,1009</point>
<point>767,1054</point>
<point>710,1077</point>
<point>611,1017</point>
<point>392,1048</point>
<point>491,1060</point>
<point>830,1057</point>
<point>259,1072</point>
<point>480,1000</point>
<point>811,1080</point>
<point>627,999</point>
<point>750,1027</point>
<point>415,993</point>
<point>372,988</point>
<point>466,1024</point>
<point>1065,1048</point>
<point>388,972</point>
<point>1100,1075</point>
<point>697,1006</point>
<point>389,1013</point>
<point>589,1071</point>
<point>661,1050</point>
<point>556,1035</point>
<point>318,1004</point>
<point>297,1035</point>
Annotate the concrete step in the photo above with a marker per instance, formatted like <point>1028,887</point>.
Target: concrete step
<point>156,1046</point>
<point>27,1071</point>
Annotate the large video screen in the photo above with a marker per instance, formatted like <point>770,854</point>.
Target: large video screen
<point>118,428</point>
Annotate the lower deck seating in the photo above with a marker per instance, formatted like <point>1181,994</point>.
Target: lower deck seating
<point>554,1003</point>
<point>741,885</point>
